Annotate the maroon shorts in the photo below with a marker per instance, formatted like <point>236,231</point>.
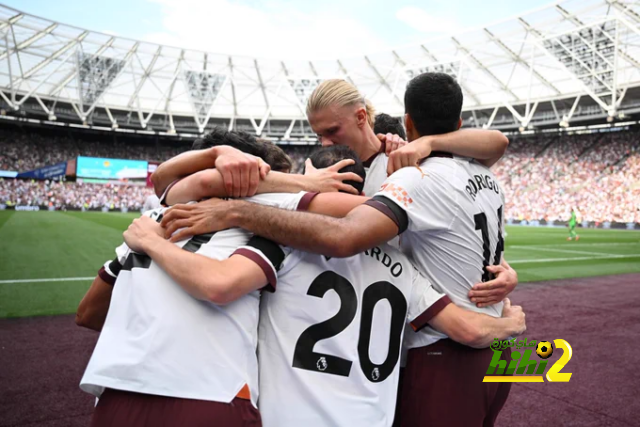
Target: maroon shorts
<point>118,408</point>
<point>442,386</point>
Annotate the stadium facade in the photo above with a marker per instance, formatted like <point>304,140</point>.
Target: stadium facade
<point>572,65</point>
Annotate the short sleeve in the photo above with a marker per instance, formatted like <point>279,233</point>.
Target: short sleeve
<point>425,302</point>
<point>267,254</point>
<point>163,198</point>
<point>110,270</point>
<point>288,201</point>
<point>426,196</point>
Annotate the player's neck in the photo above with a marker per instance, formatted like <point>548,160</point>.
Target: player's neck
<point>371,147</point>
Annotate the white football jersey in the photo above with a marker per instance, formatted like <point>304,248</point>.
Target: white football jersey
<point>454,208</point>
<point>157,339</point>
<point>330,337</point>
<point>376,174</point>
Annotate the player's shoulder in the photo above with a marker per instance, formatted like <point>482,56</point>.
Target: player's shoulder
<point>221,243</point>
<point>380,160</point>
<point>444,163</point>
<point>431,173</point>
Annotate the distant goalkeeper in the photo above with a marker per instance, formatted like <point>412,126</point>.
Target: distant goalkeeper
<point>572,226</point>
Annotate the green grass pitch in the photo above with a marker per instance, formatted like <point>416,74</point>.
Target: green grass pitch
<point>40,246</point>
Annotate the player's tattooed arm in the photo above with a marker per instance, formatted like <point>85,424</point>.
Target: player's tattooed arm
<point>363,228</point>
<point>240,172</point>
<point>210,183</point>
<point>92,310</point>
<point>479,330</point>
<point>496,290</point>
<point>220,282</point>
<point>486,146</point>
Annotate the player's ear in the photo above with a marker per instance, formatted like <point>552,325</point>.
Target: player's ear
<point>459,123</point>
<point>411,130</point>
<point>361,117</point>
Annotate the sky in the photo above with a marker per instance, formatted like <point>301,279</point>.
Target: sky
<point>284,29</point>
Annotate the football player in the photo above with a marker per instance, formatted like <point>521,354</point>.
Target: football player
<point>449,210</point>
<point>163,356</point>
<point>336,369</point>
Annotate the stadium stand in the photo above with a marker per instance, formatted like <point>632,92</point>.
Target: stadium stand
<point>543,175</point>
<point>72,195</point>
<point>24,151</point>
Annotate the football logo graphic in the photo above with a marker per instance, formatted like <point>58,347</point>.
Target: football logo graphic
<point>375,374</point>
<point>544,349</point>
<point>321,364</point>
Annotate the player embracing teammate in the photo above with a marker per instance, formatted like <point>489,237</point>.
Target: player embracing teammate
<point>447,210</point>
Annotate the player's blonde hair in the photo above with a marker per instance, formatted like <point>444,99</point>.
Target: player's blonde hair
<point>341,93</point>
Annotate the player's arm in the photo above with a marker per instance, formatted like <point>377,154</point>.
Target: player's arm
<point>220,282</point>
<point>92,310</point>
<point>486,146</point>
<point>210,183</point>
<point>337,205</point>
<point>365,226</point>
<point>479,330</point>
<point>241,172</point>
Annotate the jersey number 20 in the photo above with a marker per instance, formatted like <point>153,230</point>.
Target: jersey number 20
<point>305,358</point>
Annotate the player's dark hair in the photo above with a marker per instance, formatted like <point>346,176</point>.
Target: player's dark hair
<point>242,141</point>
<point>276,157</point>
<point>434,103</point>
<point>331,155</point>
<point>384,124</point>
<point>247,143</point>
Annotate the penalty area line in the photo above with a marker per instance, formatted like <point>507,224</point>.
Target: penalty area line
<point>62,279</point>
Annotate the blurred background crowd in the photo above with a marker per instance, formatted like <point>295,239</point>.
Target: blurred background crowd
<point>543,176</point>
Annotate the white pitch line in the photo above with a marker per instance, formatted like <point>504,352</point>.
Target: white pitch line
<point>581,244</point>
<point>531,261</point>
<point>63,279</point>
<point>568,251</point>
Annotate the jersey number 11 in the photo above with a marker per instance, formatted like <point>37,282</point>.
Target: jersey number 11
<point>481,224</point>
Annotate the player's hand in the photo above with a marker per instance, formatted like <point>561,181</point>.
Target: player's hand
<point>330,179</point>
<point>494,291</point>
<point>141,233</point>
<point>409,155</point>
<point>392,142</point>
<point>195,219</point>
<point>241,172</point>
<point>515,312</point>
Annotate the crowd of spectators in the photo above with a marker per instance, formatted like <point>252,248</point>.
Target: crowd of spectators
<point>543,176</point>
<point>72,195</point>
<point>25,151</point>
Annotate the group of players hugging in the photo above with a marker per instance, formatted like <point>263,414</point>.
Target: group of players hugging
<point>365,292</point>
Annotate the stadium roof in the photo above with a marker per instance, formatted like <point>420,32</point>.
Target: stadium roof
<point>573,49</point>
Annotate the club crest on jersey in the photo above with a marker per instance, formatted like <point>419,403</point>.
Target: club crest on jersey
<point>375,374</point>
<point>398,193</point>
<point>322,364</point>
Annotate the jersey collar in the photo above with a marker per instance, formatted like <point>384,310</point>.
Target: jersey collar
<point>383,148</point>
